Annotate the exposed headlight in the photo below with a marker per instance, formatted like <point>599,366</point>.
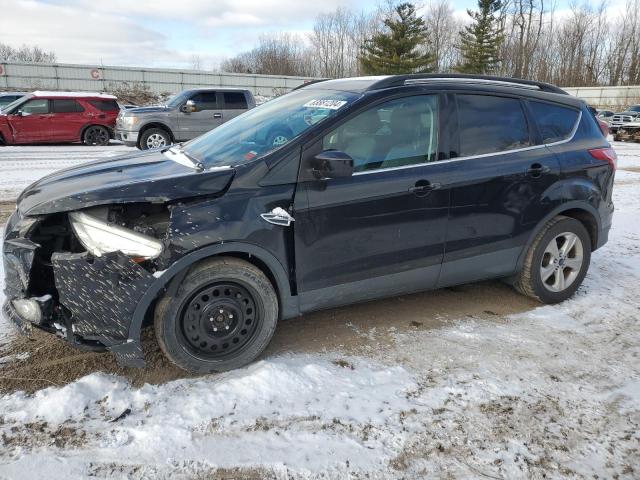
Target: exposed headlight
<point>99,237</point>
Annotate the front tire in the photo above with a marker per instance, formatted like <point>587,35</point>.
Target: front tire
<point>96,135</point>
<point>155,138</point>
<point>221,318</point>
<point>556,262</point>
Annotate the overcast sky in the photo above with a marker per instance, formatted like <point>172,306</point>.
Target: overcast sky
<point>161,33</point>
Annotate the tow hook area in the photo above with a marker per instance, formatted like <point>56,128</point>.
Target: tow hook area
<point>101,295</point>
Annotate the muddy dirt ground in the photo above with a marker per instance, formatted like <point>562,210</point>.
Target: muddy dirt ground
<point>51,361</point>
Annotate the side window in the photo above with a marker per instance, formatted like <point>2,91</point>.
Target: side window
<point>105,105</point>
<point>66,106</point>
<point>491,124</point>
<point>555,123</point>
<point>205,101</point>
<point>393,134</point>
<point>37,105</point>
<point>235,101</point>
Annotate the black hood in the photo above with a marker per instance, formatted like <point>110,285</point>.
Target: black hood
<point>141,177</point>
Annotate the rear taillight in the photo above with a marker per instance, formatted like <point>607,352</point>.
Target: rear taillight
<point>606,155</point>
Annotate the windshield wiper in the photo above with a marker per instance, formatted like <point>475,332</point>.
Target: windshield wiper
<point>196,163</point>
<point>183,157</point>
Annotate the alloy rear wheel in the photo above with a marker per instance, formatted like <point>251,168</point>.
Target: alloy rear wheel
<point>96,135</point>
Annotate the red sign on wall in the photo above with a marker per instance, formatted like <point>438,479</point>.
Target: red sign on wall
<point>95,74</point>
<point>1,70</point>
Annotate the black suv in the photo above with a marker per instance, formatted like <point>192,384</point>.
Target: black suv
<point>386,185</point>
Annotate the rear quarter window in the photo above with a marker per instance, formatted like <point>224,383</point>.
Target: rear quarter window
<point>105,105</point>
<point>491,124</point>
<point>555,122</point>
<point>235,101</point>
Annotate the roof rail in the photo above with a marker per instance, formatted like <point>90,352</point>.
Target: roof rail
<point>310,82</point>
<point>399,80</point>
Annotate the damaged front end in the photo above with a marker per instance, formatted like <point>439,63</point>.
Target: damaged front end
<point>82,274</point>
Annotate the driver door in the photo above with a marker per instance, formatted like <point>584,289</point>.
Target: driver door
<point>380,232</point>
<point>33,124</point>
<point>207,116</point>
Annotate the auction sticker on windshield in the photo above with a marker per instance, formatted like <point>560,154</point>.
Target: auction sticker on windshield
<point>330,104</point>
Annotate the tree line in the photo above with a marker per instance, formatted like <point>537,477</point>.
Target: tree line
<point>584,45</point>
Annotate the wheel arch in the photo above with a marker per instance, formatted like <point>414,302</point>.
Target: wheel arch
<point>155,124</point>
<point>579,210</point>
<point>171,278</point>
<point>87,125</point>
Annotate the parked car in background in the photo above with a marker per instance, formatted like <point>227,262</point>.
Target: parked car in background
<point>388,185</point>
<point>9,97</point>
<point>605,115</point>
<point>631,114</point>
<point>186,115</point>
<point>629,132</point>
<point>59,117</point>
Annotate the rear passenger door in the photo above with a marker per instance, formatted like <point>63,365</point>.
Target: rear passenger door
<point>67,119</point>
<point>234,103</point>
<point>208,115</point>
<point>501,187</point>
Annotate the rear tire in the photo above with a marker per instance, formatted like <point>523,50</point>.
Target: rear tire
<point>155,138</point>
<point>96,135</point>
<point>221,318</point>
<point>556,262</point>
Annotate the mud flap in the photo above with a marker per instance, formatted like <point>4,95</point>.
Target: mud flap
<point>102,293</point>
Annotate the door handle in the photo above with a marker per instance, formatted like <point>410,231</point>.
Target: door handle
<point>424,187</point>
<point>217,115</point>
<point>537,170</point>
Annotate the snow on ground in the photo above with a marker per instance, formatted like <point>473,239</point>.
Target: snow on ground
<point>552,392</point>
<point>20,166</point>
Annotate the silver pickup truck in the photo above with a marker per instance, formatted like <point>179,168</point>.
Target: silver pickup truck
<point>185,116</point>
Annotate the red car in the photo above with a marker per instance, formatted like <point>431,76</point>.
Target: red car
<point>59,117</point>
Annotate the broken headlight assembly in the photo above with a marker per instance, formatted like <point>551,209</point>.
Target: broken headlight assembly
<point>100,237</point>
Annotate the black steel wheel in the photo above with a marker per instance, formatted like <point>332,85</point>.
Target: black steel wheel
<point>222,317</point>
<point>219,320</point>
<point>96,135</point>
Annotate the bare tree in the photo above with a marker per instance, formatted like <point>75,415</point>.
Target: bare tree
<point>25,53</point>
<point>279,54</point>
<point>443,34</point>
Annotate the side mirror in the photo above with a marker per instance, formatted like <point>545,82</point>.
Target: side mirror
<point>332,164</point>
<point>20,113</point>
<point>189,107</point>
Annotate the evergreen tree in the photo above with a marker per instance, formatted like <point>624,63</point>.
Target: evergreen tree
<point>480,41</point>
<point>396,50</point>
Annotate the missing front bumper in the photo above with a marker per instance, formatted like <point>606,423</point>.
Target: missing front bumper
<point>96,300</point>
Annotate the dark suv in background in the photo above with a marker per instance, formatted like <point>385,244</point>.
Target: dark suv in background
<point>385,186</point>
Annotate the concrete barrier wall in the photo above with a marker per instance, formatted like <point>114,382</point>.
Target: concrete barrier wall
<point>33,76</point>
<point>614,98</point>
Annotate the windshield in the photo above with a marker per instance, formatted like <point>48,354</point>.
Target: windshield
<point>634,108</point>
<point>11,106</point>
<point>178,98</point>
<point>267,127</point>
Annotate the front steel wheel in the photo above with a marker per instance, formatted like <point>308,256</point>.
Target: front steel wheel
<point>219,321</point>
<point>222,316</point>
